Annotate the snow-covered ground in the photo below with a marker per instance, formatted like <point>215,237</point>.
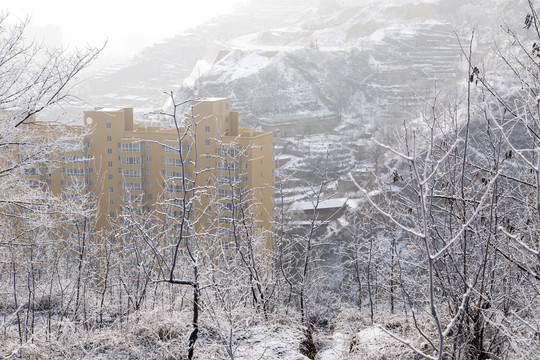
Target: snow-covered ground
<point>336,347</point>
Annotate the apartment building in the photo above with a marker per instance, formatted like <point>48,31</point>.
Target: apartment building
<point>207,170</point>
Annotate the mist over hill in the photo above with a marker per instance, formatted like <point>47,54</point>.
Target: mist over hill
<point>359,61</point>
<point>323,76</point>
<point>349,69</point>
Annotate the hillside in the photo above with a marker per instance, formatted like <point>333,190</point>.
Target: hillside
<point>359,49</point>
<point>354,67</point>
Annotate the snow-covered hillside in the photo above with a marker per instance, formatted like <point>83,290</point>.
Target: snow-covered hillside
<point>264,45</point>
<point>367,64</point>
<point>311,67</point>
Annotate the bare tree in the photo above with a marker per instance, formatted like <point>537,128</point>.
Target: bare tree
<point>467,196</point>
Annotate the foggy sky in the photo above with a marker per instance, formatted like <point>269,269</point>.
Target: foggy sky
<point>127,26</point>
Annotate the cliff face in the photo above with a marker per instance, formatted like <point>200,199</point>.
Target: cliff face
<point>365,64</point>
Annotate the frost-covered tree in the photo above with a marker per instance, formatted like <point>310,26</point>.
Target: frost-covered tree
<point>32,78</point>
<point>467,196</point>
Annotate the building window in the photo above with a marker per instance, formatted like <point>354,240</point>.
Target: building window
<point>109,138</point>
<point>149,184</point>
<point>225,220</point>
<point>109,151</point>
<point>90,182</point>
<point>226,152</point>
<point>130,147</point>
<point>138,199</point>
<point>111,201</point>
<point>130,160</point>
<point>207,142</point>
<point>148,171</point>
<point>111,214</point>
<point>150,196</point>
<point>224,192</point>
<point>177,188</point>
<point>132,173</point>
<point>34,171</point>
<point>207,128</point>
<point>173,162</point>
<point>111,189</point>
<point>223,179</point>
<point>223,165</point>
<point>148,158</point>
<point>173,175</point>
<point>227,106</point>
<point>173,150</point>
<point>90,170</point>
<point>110,176</point>
<point>225,207</point>
<point>226,119</point>
<point>75,172</point>
<point>109,125</point>
<point>131,186</point>
<point>148,145</point>
<point>109,163</point>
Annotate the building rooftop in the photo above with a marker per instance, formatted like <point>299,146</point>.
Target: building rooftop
<point>324,204</point>
<point>108,109</point>
<point>212,99</point>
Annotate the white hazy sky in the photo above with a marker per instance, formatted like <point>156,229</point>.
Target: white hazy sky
<point>128,25</point>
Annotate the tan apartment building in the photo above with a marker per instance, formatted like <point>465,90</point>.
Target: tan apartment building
<point>210,167</point>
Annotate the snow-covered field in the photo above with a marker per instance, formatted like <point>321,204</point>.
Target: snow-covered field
<point>163,335</point>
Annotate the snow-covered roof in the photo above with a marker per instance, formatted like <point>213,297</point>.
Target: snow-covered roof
<point>305,222</point>
<point>324,204</point>
<point>389,189</point>
<point>109,109</point>
<point>214,99</point>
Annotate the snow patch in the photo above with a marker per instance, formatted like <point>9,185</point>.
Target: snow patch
<point>377,36</point>
<point>249,65</point>
<point>240,64</point>
<point>325,204</point>
<point>371,340</point>
<point>277,342</point>
<point>337,348</point>
<point>201,66</point>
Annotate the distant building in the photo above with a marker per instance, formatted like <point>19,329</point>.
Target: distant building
<point>322,211</point>
<point>218,170</point>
